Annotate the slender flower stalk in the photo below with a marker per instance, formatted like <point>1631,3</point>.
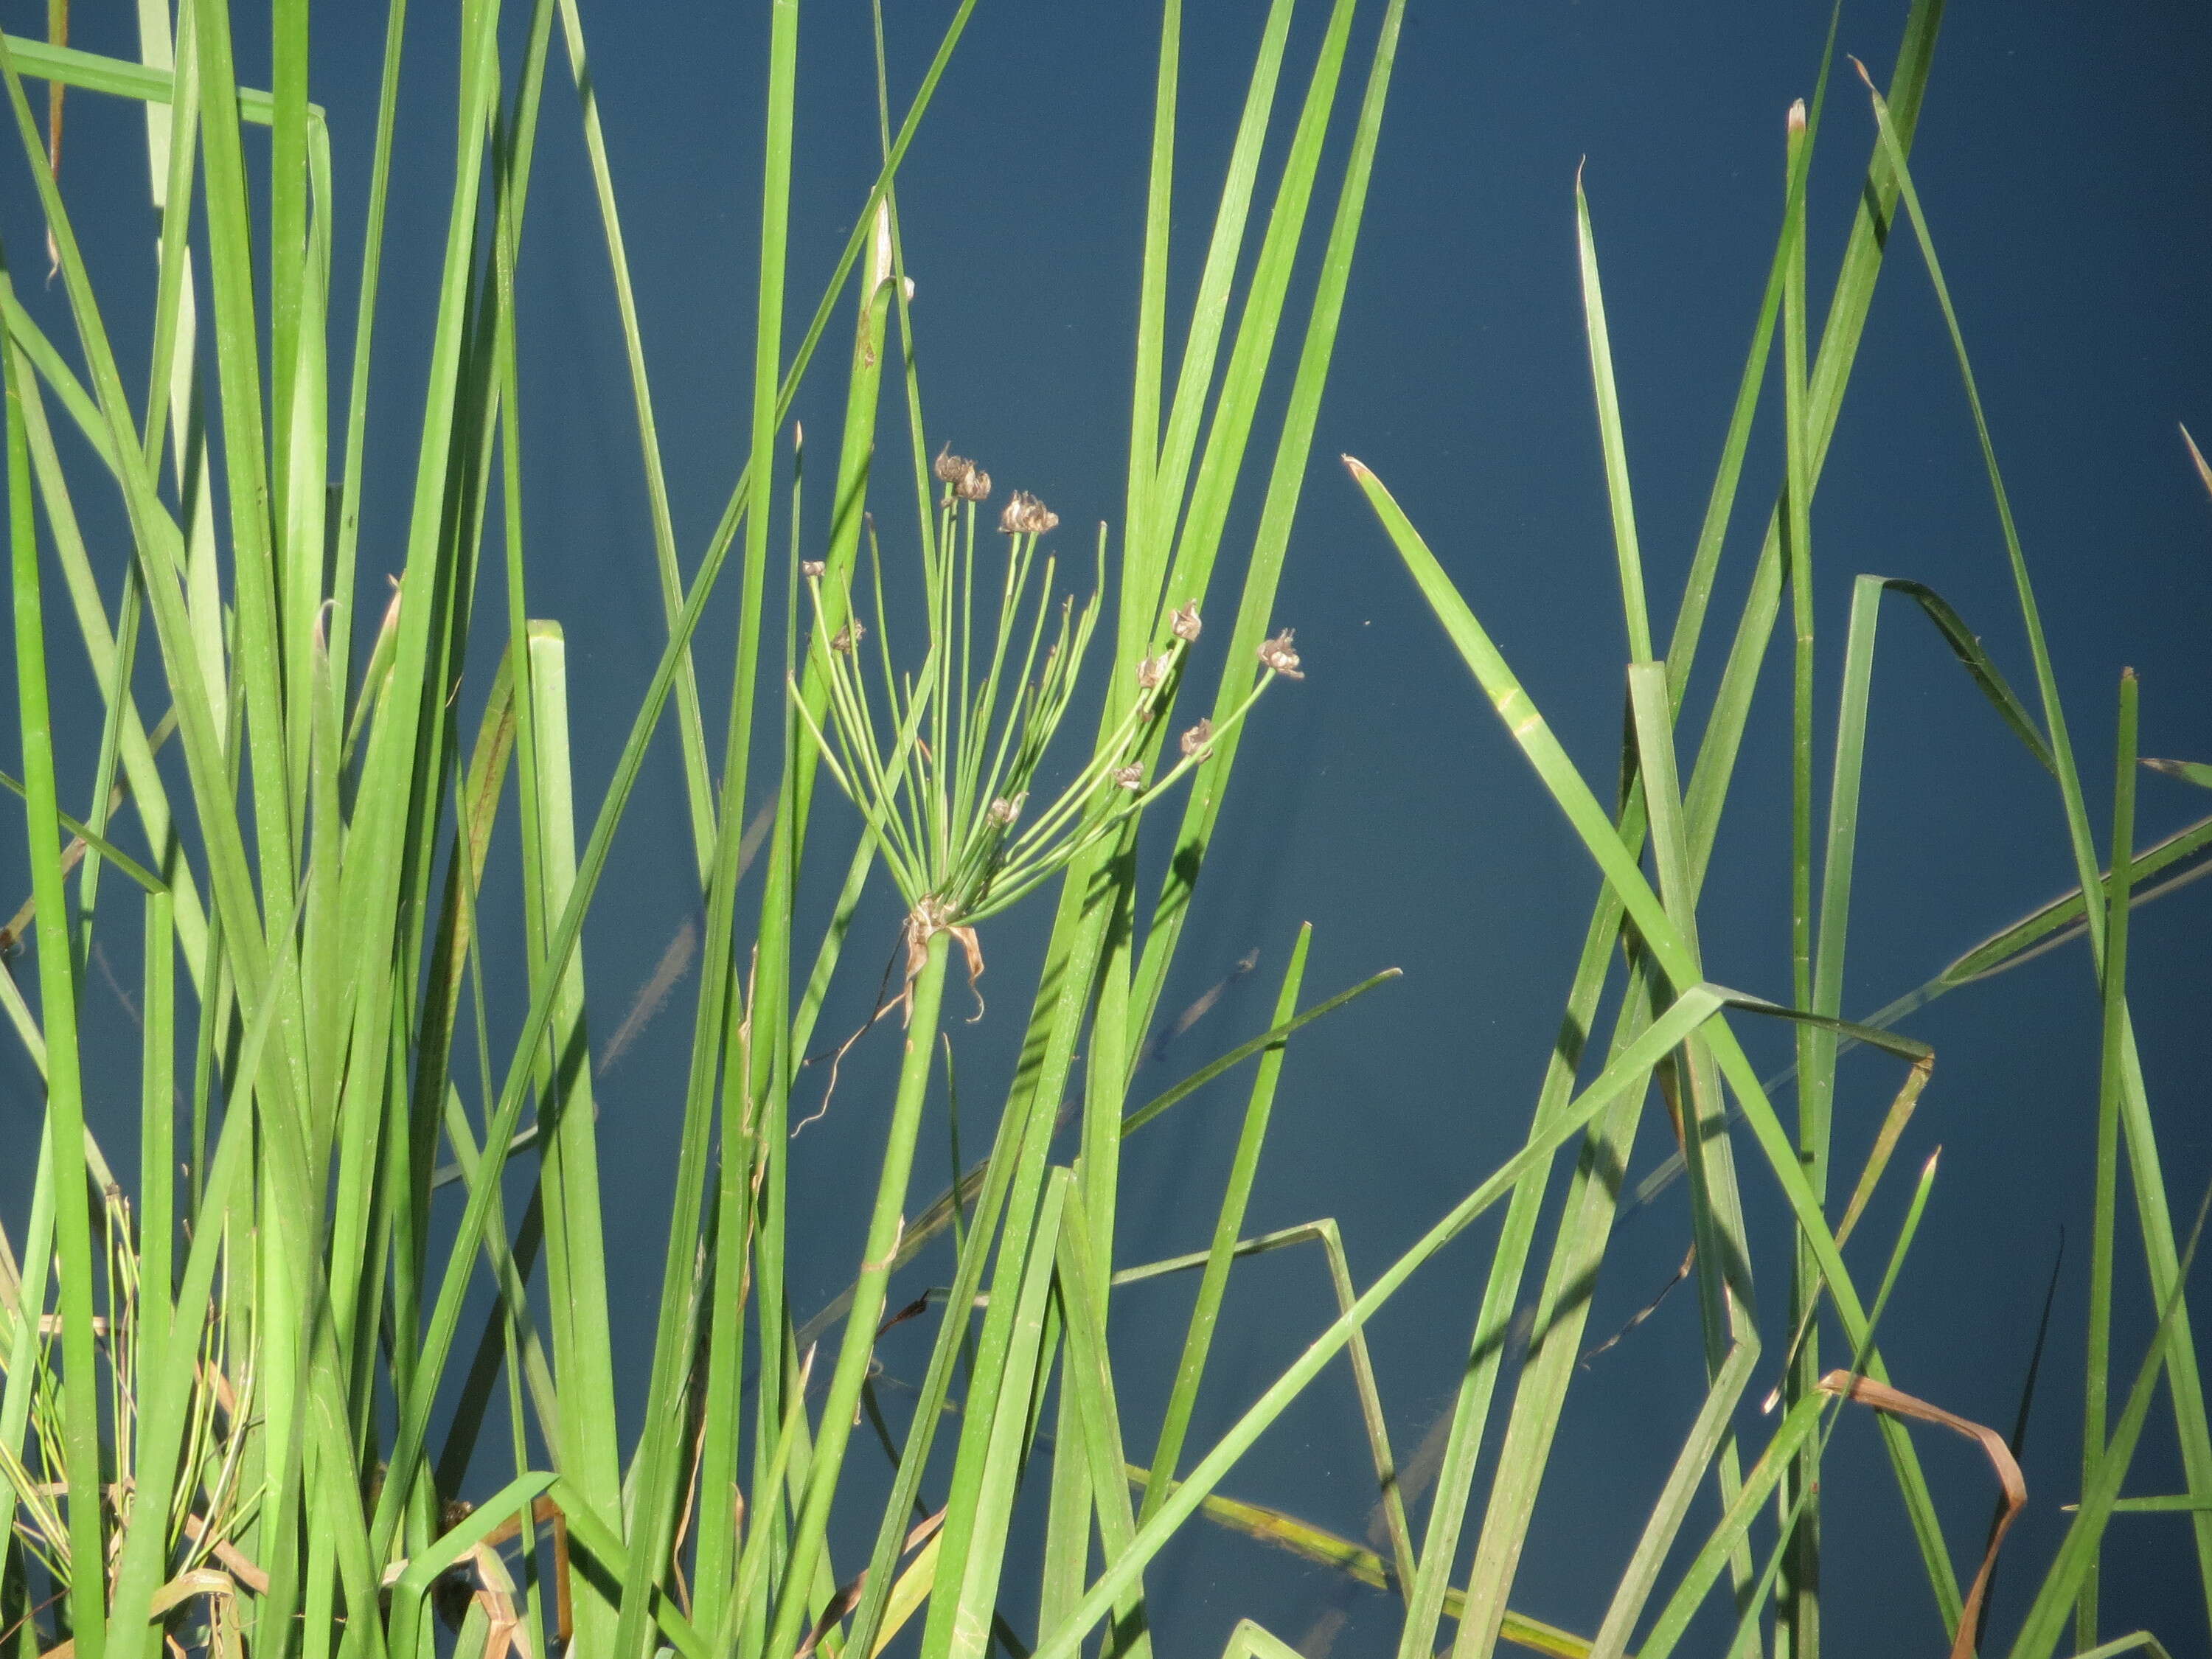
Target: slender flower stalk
<point>943,760</point>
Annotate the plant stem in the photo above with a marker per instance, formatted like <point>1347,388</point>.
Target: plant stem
<point>884,1227</point>
<point>2096,1381</point>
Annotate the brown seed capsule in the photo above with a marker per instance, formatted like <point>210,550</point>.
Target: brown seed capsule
<point>1186,625</point>
<point>1276,654</point>
<point>1197,737</point>
<point>849,635</point>
<point>1150,671</point>
<point>1003,811</point>
<point>970,481</point>
<point>1025,515</point>
<point>1130,776</point>
<point>811,570</point>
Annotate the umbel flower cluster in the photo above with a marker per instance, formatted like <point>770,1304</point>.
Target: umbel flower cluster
<point>942,758</point>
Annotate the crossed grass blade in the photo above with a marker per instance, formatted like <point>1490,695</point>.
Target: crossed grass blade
<point>1674,956</point>
<point>940,1214</point>
<point>503,1142</point>
<point>1800,1428</point>
<point>949,793</point>
<point>1727,1303</point>
<point>74,1249</point>
<point>1053,1049</point>
<point>1694,1009</point>
<point>2193,1422</point>
<point>1831,373</point>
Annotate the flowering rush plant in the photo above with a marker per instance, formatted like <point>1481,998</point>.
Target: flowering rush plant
<point>941,759</point>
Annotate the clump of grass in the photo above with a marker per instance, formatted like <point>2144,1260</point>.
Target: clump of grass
<point>216,1500</point>
<point>354,1115</point>
<point>255,1397</point>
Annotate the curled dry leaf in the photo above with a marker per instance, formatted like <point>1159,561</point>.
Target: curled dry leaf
<point>1883,1398</point>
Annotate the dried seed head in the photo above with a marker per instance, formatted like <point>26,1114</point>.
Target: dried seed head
<point>1025,515</point>
<point>1197,737</point>
<point>1150,671</point>
<point>970,481</point>
<point>811,570</point>
<point>1186,625</point>
<point>1003,811</point>
<point>1276,654</point>
<point>851,634</point>
<point>1130,776</point>
<point>1795,123</point>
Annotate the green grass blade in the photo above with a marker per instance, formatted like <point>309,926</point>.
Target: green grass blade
<point>1149,539</point>
<point>1693,1009</point>
<point>1726,1306</point>
<point>1800,1499</point>
<point>157,1134</point>
<point>2194,772</point>
<point>1229,429</point>
<point>2054,719</point>
<point>1711,1428</point>
<point>118,77</point>
<point>2042,1629</point>
<point>1610,439</point>
<point>1796,1431</point>
<point>937,1217</point>
<point>691,726</point>
<point>964,1612</point>
<point>1229,1223</point>
<point>165,1396</point>
<point>1673,956</point>
<point>998,1174</point>
<point>576,1271</point>
<point>2105,1174</point>
<point>76,1263</point>
<point>1848,307</point>
<point>245,447</point>
<point>345,554</point>
<point>1391,1508</point>
<point>1797,1634</point>
<point>1529,729</point>
<point>1087,1378</point>
<point>1152,309</point>
<point>2193,1422</point>
<point>2061,919</point>
<point>1255,609</point>
<point>860,1324</point>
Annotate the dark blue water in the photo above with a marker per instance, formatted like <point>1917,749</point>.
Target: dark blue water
<point>2063,160</point>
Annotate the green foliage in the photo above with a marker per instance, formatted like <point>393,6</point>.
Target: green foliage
<point>256,1397</point>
